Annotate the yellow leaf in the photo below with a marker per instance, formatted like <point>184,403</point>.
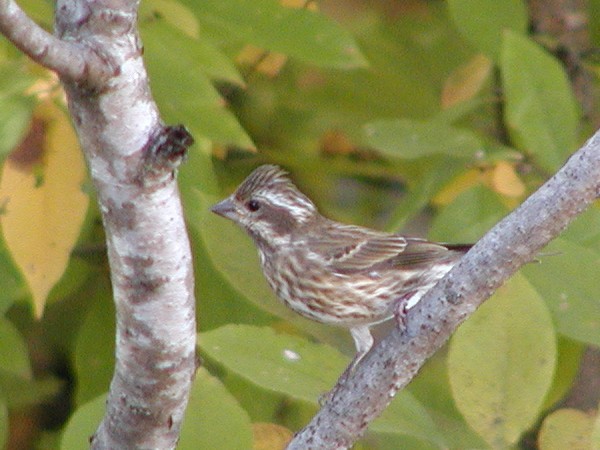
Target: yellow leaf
<point>497,385</point>
<point>262,61</point>
<point>595,437</point>
<point>44,206</point>
<point>335,142</point>
<point>505,180</point>
<point>47,87</point>
<point>466,81</point>
<point>566,428</point>
<point>311,6</point>
<point>457,186</point>
<point>269,436</point>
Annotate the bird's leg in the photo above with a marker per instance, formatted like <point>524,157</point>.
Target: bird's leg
<point>363,342</point>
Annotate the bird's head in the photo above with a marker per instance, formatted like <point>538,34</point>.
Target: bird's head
<point>268,206</point>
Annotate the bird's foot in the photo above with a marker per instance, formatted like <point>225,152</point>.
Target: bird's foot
<point>401,310</point>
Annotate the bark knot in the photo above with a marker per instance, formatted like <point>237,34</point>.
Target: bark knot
<point>164,152</point>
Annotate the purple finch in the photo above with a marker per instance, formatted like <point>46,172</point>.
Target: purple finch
<point>327,271</point>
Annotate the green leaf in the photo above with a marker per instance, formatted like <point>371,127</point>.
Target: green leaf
<point>214,419</point>
<point>4,424</point>
<point>540,110</point>
<point>95,346</point>
<point>432,388</point>
<point>14,80</point>
<point>482,22</point>
<point>199,54</point>
<point>403,138</point>
<point>197,174</point>
<point>185,95</point>
<point>15,107</point>
<point>432,174</point>
<point>277,362</point>
<point>501,362</point>
<point>567,367</point>
<point>569,285</point>
<point>407,416</point>
<point>12,286</point>
<point>15,115</point>
<point>593,16</point>
<point>303,370</point>
<point>309,36</point>
<point>17,389</point>
<point>221,302</point>
<point>19,392</point>
<point>40,11</point>
<point>261,405</point>
<point>409,61</point>
<point>585,230</point>
<point>13,351</point>
<point>468,217</point>
<point>83,424</point>
<point>567,428</point>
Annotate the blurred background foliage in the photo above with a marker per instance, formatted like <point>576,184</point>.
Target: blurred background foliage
<point>434,118</point>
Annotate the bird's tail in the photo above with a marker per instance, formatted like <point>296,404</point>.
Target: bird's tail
<point>462,248</point>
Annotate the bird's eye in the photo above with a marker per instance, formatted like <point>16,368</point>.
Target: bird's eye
<point>253,205</point>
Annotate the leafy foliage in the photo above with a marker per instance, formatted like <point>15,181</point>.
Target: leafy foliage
<point>488,367</point>
<point>436,118</point>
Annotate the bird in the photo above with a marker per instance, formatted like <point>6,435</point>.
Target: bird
<point>330,272</point>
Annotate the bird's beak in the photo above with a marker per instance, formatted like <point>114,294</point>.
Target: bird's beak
<point>225,208</point>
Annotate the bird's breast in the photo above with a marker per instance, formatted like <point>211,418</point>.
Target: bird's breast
<point>314,291</point>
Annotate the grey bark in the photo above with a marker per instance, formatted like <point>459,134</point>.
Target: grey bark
<point>132,156</point>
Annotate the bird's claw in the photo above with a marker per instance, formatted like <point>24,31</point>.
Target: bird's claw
<point>401,310</point>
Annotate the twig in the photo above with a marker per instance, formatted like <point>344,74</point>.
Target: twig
<point>70,60</point>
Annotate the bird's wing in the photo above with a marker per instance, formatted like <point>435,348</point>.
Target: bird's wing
<point>421,251</point>
<point>350,249</point>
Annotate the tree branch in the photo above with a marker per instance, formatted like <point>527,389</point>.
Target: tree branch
<point>69,60</point>
<point>132,158</point>
<point>514,241</point>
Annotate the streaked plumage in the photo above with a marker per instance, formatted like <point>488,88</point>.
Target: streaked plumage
<point>330,272</point>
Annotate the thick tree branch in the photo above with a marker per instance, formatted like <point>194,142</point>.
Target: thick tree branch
<point>132,158</point>
<point>68,59</point>
<point>511,243</point>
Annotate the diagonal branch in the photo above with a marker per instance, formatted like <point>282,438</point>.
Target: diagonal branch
<point>68,59</point>
<point>392,364</point>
